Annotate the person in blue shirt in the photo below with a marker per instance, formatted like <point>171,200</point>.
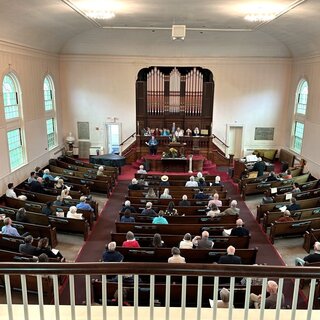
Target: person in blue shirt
<point>160,219</point>
<point>83,205</point>
<point>153,145</point>
<point>46,173</point>
<point>8,229</point>
<point>127,217</point>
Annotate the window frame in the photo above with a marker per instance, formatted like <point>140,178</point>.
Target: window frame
<point>20,148</point>
<point>17,94</point>
<point>52,134</point>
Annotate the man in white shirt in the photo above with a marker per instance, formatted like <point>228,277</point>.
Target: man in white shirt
<point>10,192</point>
<point>192,182</point>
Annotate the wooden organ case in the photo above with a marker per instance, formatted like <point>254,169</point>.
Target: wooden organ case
<point>180,95</point>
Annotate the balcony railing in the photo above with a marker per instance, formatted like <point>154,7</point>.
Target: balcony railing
<point>202,276</point>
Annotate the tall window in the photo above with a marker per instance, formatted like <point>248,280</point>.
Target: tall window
<point>10,97</point>
<point>299,116</point>
<point>15,148</point>
<point>49,101</point>
<point>50,133</point>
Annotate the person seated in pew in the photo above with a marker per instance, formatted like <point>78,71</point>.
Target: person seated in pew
<point>201,195</point>
<point>110,254</point>
<point>32,177</point>
<point>230,257</point>
<point>72,213</point>
<point>310,258</point>
<point>43,247</point>
<point>186,242</point>
<point>127,206</point>
<point>202,183</point>
<point>142,181</point>
<point>131,242</point>
<point>303,166</point>
<point>192,183</point>
<point>65,193</point>
<point>151,194</point>
<point>46,173</point>
<point>160,219</point>
<point>293,205</point>
<point>232,211</point>
<point>203,242</point>
<point>46,183</point>
<point>286,217</point>
<point>10,192</point>
<point>27,246</point>
<point>58,202</point>
<point>83,205</point>
<point>164,181</point>
<point>184,202</point>
<point>134,185</point>
<point>21,215</point>
<point>286,175</point>
<point>176,257</point>
<point>166,194</point>
<point>271,300</point>
<point>36,186</point>
<point>224,298</point>
<point>43,258</point>
<point>215,200</point>
<point>39,172</point>
<point>157,241</point>
<point>59,185</point>
<point>213,211</point>
<point>100,171</point>
<point>239,230</point>
<point>8,229</point>
<point>271,177</point>
<point>171,211</point>
<point>199,176</point>
<point>259,166</point>
<point>48,209</point>
<point>127,217</point>
<point>142,170</point>
<point>217,181</point>
<point>295,188</point>
<point>148,211</point>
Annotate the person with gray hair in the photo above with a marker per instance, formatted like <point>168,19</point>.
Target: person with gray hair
<point>176,258</point>
<point>141,170</point>
<point>110,254</point>
<point>134,185</point>
<point>203,242</point>
<point>311,258</point>
<point>148,211</point>
<point>131,242</point>
<point>230,257</point>
<point>233,210</point>
<point>27,246</point>
<point>100,171</point>
<point>184,202</point>
<point>186,243</point>
<point>127,206</point>
<point>224,296</point>
<point>192,183</point>
<point>239,230</point>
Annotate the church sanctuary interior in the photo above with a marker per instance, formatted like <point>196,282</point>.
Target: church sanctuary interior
<point>159,159</point>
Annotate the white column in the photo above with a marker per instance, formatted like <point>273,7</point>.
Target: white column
<point>190,163</point>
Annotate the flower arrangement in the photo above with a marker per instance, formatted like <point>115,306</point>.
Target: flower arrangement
<point>172,153</point>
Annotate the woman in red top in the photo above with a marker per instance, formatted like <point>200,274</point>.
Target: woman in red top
<point>131,242</point>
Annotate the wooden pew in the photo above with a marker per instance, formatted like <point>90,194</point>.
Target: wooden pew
<point>308,194</point>
<point>248,256</point>
<point>68,225</point>
<point>186,219</point>
<point>271,216</point>
<point>197,229</point>
<point>173,177</point>
<point>284,229</point>
<point>36,230</point>
<point>86,164</point>
<point>310,237</point>
<point>192,210</point>
<point>175,293</point>
<point>37,207</point>
<point>304,204</point>
<point>12,243</point>
<point>164,202</point>
<point>42,197</point>
<point>175,193</point>
<point>220,242</point>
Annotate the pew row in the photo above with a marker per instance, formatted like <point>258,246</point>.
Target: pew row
<point>308,194</point>
<point>310,237</point>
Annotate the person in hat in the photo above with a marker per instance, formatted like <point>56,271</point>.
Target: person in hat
<point>83,205</point>
<point>153,145</point>
<point>164,181</point>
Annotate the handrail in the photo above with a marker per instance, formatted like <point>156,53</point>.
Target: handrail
<point>215,137</point>
<point>131,136</point>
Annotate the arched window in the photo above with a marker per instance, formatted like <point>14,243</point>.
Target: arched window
<point>299,115</point>
<point>10,97</point>
<point>12,112</point>
<point>49,106</point>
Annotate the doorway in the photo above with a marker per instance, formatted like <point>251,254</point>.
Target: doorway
<point>113,137</point>
<point>234,135</point>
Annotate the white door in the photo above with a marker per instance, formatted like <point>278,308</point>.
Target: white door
<point>235,141</point>
<point>113,131</point>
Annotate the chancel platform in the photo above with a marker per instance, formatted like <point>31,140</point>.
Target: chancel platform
<point>157,163</point>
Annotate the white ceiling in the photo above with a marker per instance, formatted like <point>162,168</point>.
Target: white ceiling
<point>215,28</point>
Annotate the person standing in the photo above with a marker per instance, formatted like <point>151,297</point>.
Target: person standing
<point>153,145</point>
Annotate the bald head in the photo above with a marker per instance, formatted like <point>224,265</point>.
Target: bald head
<point>231,250</point>
<point>317,246</point>
<point>239,223</point>
<point>205,234</point>
<point>272,287</point>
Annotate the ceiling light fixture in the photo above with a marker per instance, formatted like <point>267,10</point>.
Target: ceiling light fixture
<point>100,14</point>
<point>260,16</point>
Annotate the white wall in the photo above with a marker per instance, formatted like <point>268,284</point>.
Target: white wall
<point>30,67</point>
<point>308,69</point>
<point>252,92</point>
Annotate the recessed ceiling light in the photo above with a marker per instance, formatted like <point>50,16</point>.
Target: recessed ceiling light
<point>100,14</point>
